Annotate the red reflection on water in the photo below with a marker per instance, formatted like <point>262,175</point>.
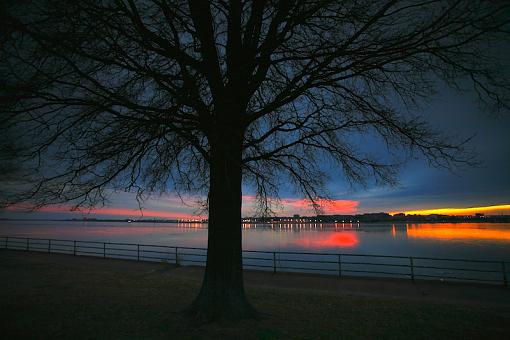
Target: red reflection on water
<point>333,240</point>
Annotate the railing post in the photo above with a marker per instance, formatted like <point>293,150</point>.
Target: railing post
<point>339,265</point>
<point>28,243</point>
<point>177,256</point>
<point>49,246</point>
<point>503,271</point>
<point>274,262</point>
<point>104,250</point>
<point>138,252</point>
<point>412,267</point>
<point>74,248</point>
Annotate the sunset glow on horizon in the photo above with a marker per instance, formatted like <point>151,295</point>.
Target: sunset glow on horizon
<point>491,209</point>
<point>329,207</point>
<point>118,212</point>
<point>303,206</point>
<point>290,206</point>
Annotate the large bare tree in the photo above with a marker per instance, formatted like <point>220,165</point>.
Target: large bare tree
<point>205,96</point>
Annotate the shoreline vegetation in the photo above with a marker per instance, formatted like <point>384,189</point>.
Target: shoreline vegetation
<point>56,296</point>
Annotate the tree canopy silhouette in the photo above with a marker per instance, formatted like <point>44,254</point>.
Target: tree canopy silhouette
<point>205,96</point>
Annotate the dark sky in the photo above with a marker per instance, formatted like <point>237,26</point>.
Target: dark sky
<point>420,186</point>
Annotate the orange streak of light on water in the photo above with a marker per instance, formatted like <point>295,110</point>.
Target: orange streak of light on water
<point>443,231</point>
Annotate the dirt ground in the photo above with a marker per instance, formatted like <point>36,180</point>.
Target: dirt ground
<point>62,296</point>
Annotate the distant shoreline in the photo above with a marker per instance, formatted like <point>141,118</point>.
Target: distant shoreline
<point>498,219</point>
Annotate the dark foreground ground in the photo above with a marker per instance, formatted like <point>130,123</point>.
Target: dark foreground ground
<point>61,296</point>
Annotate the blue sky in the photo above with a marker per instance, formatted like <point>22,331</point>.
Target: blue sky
<point>420,187</point>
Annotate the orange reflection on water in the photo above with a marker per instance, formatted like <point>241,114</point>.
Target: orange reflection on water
<point>331,240</point>
<point>450,231</point>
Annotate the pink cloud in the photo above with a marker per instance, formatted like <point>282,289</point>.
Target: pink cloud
<point>249,198</point>
<point>118,212</point>
<point>329,207</point>
<point>303,206</point>
<point>144,213</point>
<point>172,208</point>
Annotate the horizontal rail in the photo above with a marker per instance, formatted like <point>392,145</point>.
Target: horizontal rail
<point>379,264</point>
<point>257,258</point>
<point>331,254</point>
<point>464,269</point>
<point>155,251</point>
<point>375,272</point>
<point>119,244</point>
<point>61,249</point>
<point>309,268</point>
<point>89,252</point>
<point>306,261</point>
<point>458,278</point>
<point>188,254</point>
<point>257,266</point>
<point>152,257</point>
<point>344,263</point>
<point>87,247</point>
<point>118,254</point>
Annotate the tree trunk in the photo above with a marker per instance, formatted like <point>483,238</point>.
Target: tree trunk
<point>222,295</point>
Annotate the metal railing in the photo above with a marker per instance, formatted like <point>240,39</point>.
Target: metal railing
<point>338,264</point>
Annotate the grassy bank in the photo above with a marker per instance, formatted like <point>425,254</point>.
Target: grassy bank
<point>58,296</point>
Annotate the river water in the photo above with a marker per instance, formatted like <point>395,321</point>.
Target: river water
<point>483,241</point>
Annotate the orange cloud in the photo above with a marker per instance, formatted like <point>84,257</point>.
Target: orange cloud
<point>303,207</point>
<point>491,209</point>
<point>329,207</point>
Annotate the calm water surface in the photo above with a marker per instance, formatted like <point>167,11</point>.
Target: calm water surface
<point>452,240</point>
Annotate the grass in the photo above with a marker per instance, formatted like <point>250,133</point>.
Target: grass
<point>104,299</point>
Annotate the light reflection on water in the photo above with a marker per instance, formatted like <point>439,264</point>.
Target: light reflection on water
<point>344,239</point>
<point>464,240</point>
<point>459,231</point>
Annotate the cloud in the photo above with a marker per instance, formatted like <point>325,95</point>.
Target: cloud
<point>303,206</point>
<point>124,205</point>
<point>115,212</point>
